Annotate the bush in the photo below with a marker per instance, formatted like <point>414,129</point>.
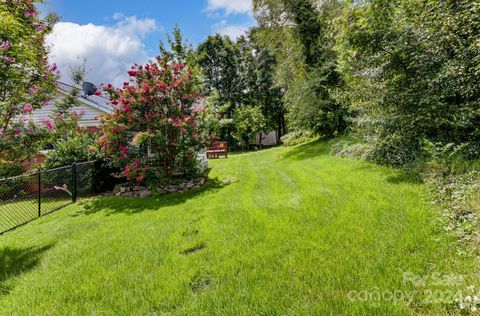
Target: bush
<point>297,137</point>
<point>351,147</point>
<point>397,150</point>
<point>77,148</point>
<point>154,132</point>
<point>10,169</point>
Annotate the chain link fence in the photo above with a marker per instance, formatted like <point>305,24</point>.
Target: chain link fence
<point>27,197</point>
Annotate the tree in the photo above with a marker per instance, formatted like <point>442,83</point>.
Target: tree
<point>219,59</point>
<point>27,81</point>
<point>304,30</point>
<point>411,71</point>
<point>268,96</point>
<point>249,122</point>
<point>154,133</point>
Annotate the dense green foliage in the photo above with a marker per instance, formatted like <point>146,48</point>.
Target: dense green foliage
<point>238,75</point>
<point>153,132</point>
<point>27,81</point>
<point>404,72</point>
<point>412,72</point>
<point>249,122</point>
<point>75,148</point>
<point>300,35</point>
<point>282,231</point>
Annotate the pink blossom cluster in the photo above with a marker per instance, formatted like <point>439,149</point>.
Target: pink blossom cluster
<point>49,123</point>
<point>5,46</point>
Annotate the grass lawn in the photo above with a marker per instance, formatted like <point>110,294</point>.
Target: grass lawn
<point>283,231</point>
<point>13,214</point>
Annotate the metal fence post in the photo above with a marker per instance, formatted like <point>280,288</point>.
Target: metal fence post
<point>39,192</point>
<point>74,182</point>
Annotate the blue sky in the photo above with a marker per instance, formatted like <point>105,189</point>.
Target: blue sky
<point>113,34</point>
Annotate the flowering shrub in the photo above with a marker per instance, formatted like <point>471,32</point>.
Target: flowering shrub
<point>76,148</point>
<point>154,131</point>
<point>27,80</point>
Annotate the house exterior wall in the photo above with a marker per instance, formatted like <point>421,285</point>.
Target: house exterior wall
<point>269,139</point>
<point>88,119</point>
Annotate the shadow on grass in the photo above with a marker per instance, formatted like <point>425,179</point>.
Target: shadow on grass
<point>405,177</point>
<point>113,205</point>
<point>307,151</point>
<point>14,262</point>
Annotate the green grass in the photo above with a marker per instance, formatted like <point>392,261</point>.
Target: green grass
<point>281,231</point>
<point>21,211</point>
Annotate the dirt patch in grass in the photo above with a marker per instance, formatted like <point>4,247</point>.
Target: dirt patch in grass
<point>194,249</point>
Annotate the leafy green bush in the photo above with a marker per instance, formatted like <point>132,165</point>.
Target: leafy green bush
<point>9,169</point>
<point>397,149</point>
<point>77,148</point>
<point>297,137</point>
<point>351,147</point>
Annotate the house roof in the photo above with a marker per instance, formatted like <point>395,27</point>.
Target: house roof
<point>91,106</point>
<point>99,102</point>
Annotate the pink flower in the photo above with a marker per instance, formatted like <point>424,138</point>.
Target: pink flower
<point>18,131</point>
<point>31,12</point>
<point>98,93</point>
<point>60,117</point>
<point>137,163</point>
<point>123,150</point>
<point>126,83</point>
<point>170,121</point>
<point>27,108</point>
<point>183,130</point>
<point>33,89</point>
<point>5,45</point>
<point>132,73</point>
<point>139,179</point>
<point>39,26</point>
<point>10,60</point>
<point>49,123</point>
<point>53,68</point>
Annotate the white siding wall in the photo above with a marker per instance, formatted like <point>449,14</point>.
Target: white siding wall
<point>88,119</point>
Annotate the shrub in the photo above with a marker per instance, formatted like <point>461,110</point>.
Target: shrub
<point>297,137</point>
<point>9,169</point>
<point>397,150</point>
<point>154,131</point>
<point>351,147</point>
<point>77,148</point>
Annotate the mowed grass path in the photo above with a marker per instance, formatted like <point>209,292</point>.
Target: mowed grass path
<point>277,232</point>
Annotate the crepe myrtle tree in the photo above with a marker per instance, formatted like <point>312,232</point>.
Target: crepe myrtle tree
<point>27,80</point>
<point>155,130</point>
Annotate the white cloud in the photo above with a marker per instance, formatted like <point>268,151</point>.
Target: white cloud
<point>231,30</point>
<point>109,50</point>
<point>230,6</point>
